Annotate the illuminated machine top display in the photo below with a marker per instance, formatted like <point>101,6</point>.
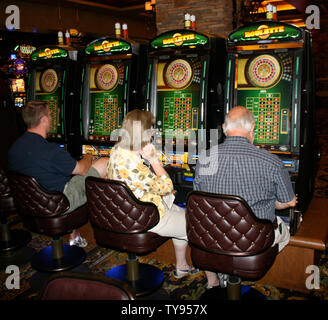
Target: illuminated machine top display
<point>265,31</point>
<point>49,52</point>
<point>107,46</point>
<point>180,38</point>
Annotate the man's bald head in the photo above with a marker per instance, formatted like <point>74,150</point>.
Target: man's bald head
<point>239,121</point>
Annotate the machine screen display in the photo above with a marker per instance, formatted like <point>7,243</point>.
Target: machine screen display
<point>178,96</point>
<point>18,85</point>
<point>264,86</point>
<point>107,89</point>
<point>49,88</point>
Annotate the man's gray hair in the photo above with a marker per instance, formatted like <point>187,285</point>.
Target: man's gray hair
<point>245,122</point>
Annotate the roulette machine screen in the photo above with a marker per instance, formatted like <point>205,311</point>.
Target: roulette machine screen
<point>106,99</point>
<point>264,84</point>
<point>178,89</point>
<point>109,85</point>
<point>270,71</point>
<point>53,78</point>
<point>49,90</point>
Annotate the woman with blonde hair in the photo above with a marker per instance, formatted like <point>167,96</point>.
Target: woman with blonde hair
<point>126,164</point>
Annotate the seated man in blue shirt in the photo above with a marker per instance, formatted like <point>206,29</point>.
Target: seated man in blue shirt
<point>50,165</point>
<point>237,167</point>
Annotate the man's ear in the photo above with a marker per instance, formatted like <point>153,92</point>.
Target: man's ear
<point>42,119</point>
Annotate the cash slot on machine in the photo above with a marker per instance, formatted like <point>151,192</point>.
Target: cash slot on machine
<point>110,89</point>
<point>53,78</point>
<point>185,79</point>
<point>270,71</point>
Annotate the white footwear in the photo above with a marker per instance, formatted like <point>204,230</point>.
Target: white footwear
<point>223,278</point>
<point>178,273</point>
<point>79,242</point>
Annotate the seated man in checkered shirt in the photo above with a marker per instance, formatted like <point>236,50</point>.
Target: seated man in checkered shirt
<point>237,167</point>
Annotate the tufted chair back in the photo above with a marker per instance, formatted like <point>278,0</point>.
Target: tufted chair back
<point>114,207</point>
<point>35,201</point>
<point>4,184</point>
<point>227,237</point>
<point>121,221</point>
<point>6,199</point>
<point>10,240</point>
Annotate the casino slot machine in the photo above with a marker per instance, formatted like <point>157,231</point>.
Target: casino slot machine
<point>54,78</point>
<point>21,59</point>
<point>110,88</point>
<point>270,71</point>
<point>185,79</point>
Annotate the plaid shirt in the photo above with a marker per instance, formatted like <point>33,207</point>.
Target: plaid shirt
<point>237,167</point>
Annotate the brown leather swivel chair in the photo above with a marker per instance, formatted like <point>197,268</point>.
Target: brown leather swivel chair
<point>11,241</point>
<point>85,286</point>
<point>120,221</point>
<point>43,212</point>
<point>226,237</point>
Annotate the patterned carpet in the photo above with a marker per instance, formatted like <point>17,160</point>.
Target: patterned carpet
<point>99,260</point>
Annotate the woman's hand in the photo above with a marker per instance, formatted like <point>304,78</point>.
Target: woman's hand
<point>149,153</point>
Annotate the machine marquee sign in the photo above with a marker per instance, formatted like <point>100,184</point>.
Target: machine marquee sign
<point>49,53</point>
<point>107,46</point>
<point>266,30</point>
<point>179,38</point>
<point>263,32</point>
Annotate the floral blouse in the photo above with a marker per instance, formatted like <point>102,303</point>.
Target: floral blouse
<point>126,166</point>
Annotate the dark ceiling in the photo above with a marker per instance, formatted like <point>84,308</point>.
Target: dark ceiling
<point>137,6</point>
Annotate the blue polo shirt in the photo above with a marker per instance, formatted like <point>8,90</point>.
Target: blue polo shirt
<point>49,164</point>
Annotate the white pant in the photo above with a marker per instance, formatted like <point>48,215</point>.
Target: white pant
<point>173,225</point>
<point>282,238</point>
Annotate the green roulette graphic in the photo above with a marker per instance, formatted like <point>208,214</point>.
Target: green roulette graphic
<point>178,74</point>
<point>264,71</point>
<point>49,80</point>
<point>106,77</point>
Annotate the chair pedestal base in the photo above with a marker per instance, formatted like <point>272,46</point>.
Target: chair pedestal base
<point>15,240</point>
<point>150,278</point>
<point>17,257</point>
<point>246,293</point>
<point>72,256</point>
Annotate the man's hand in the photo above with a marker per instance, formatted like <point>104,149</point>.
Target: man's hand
<point>285,205</point>
<point>83,165</point>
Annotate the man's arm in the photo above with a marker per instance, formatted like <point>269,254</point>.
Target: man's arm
<point>83,165</point>
<point>284,205</point>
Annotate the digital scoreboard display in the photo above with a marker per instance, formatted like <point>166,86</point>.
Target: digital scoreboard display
<point>107,88</point>
<point>178,96</point>
<point>264,86</point>
<point>49,88</point>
